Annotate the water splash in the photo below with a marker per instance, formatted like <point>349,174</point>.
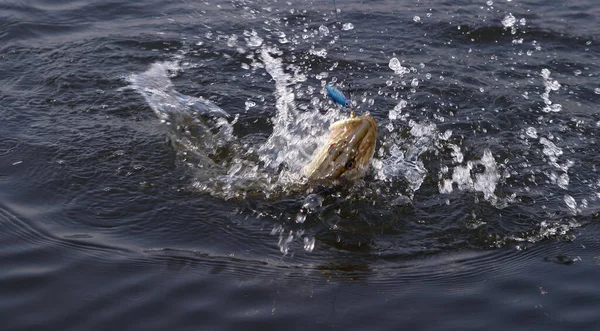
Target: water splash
<point>296,134</point>
<point>549,85</point>
<point>467,178</point>
<point>273,165</point>
<point>398,69</point>
<point>295,137</point>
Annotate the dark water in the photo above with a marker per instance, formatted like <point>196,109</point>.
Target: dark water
<point>480,211</point>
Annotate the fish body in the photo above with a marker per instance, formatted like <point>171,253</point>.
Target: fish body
<point>348,151</point>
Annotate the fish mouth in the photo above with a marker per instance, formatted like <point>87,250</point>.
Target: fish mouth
<point>348,151</point>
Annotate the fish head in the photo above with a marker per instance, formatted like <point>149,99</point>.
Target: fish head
<point>348,151</point>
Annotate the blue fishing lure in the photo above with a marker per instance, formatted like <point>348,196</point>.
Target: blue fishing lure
<point>337,96</point>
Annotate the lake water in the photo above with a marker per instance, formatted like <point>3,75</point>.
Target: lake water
<point>122,207</point>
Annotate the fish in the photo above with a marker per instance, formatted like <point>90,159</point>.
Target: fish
<point>347,153</point>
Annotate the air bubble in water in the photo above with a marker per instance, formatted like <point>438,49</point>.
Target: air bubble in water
<point>417,19</point>
<point>597,90</point>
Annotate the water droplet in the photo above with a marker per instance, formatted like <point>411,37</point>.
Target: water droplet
<point>312,202</point>
<point>417,19</point>
<point>232,40</point>
<point>509,21</point>
<point>321,53</point>
<point>545,73</point>
<point>347,26</point>
<point>597,90</point>
<point>397,67</point>
<point>550,149</point>
<point>563,181</point>
<point>301,217</point>
<point>250,104</point>
<point>309,243</point>
<point>490,2</point>
<point>253,40</point>
<point>570,202</point>
<point>531,132</point>
<point>322,75</point>
<point>324,30</point>
<point>395,113</point>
